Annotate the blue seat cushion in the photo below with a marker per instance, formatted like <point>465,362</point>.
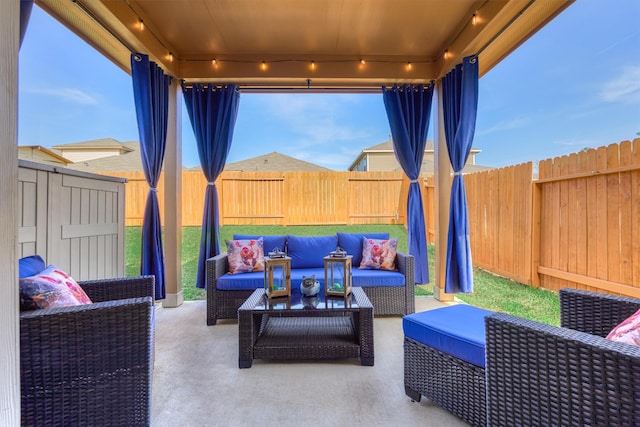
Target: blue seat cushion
<point>457,330</point>
<point>239,282</point>
<point>352,243</point>
<point>30,266</point>
<point>309,251</point>
<point>371,278</point>
<point>269,242</point>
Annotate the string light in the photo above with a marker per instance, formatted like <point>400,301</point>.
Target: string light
<point>313,65</point>
<point>141,24</point>
<point>409,66</point>
<point>170,57</point>
<point>214,62</point>
<point>362,62</point>
<point>446,53</point>
<point>263,66</point>
<point>474,19</point>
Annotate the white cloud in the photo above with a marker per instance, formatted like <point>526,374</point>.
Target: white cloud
<point>66,94</point>
<point>504,125</point>
<point>582,143</point>
<point>625,87</point>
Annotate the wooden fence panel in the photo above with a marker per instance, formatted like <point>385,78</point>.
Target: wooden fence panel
<point>499,203</point>
<point>590,220</point>
<point>251,198</point>
<point>373,198</point>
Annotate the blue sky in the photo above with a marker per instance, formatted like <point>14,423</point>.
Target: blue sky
<point>574,84</point>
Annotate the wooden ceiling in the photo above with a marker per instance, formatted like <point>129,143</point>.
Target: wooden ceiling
<point>306,44</point>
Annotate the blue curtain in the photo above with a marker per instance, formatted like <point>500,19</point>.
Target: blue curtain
<point>213,112</point>
<point>25,14</point>
<point>151,95</point>
<point>408,110</point>
<point>460,102</point>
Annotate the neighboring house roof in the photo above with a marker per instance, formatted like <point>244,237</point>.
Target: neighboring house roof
<point>427,165</point>
<point>272,162</point>
<point>128,160</point>
<point>96,144</point>
<point>40,154</point>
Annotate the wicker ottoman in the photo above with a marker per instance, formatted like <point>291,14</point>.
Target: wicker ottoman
<point>444,359</point>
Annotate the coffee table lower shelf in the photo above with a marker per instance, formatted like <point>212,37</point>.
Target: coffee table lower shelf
<point>292,338</point>
<point>315,335</point>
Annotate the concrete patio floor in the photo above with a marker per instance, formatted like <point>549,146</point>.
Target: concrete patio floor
<point>196,380</point>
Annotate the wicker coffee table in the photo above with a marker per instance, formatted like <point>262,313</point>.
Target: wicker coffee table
<point>295,328</point>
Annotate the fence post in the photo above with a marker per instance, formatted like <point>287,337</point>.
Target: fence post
<point>536,195</point>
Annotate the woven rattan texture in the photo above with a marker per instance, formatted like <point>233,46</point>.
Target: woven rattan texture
<point>452,383</point>
<point>90,364</point>
<point>545,375</point>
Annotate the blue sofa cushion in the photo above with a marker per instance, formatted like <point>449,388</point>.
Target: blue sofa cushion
<point>457,330</point>
<point>352,243</point>
<point>371,278</point>
<point>269,242</point>
<point>240,282</point>
<point>309,251</point>
<point>30,266</point>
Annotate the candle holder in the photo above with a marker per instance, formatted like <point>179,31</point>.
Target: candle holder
<point>277,276</point>
<point>337,275</point>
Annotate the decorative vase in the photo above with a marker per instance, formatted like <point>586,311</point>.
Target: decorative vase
<point>309,286</point>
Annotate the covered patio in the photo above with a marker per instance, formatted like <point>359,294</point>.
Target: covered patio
<point>212,391</point>
<point>268,46</point>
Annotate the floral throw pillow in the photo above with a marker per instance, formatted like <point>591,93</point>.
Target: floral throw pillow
<point>379,254</point>
<point>245,256</point>
<point>51,288</point>
<point>628,331</point>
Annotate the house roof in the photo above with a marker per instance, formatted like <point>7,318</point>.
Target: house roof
<point>387,147</point>
<point>129,160</point>
<point>97,144</point>
<point>272,162</point>
<point>25,152</point>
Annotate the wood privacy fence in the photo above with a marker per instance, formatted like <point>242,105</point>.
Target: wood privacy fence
<point>578,225</point>
<point>288,198</point>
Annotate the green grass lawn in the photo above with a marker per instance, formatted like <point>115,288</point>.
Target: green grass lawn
<point>490,291</point>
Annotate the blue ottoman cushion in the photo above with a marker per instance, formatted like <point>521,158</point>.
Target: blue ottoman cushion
<point>457,330</point>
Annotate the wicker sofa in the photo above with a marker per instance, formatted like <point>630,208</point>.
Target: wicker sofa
<point>564,376</point>
<point>391,293</point>
<point>537,374</point>
<point>90,364</point>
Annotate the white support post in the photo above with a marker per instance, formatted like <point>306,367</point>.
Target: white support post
<point>442,185</point>
<point>9,313</point>
<point>173,200</point>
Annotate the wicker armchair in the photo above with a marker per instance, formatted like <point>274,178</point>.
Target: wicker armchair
<point>563,376</point>
<point>90,364</point>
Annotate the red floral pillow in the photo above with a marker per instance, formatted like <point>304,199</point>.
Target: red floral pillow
<point>379,254</point>
<point>245,256</point>
<point>50,288</point>
<point>628,331</point>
